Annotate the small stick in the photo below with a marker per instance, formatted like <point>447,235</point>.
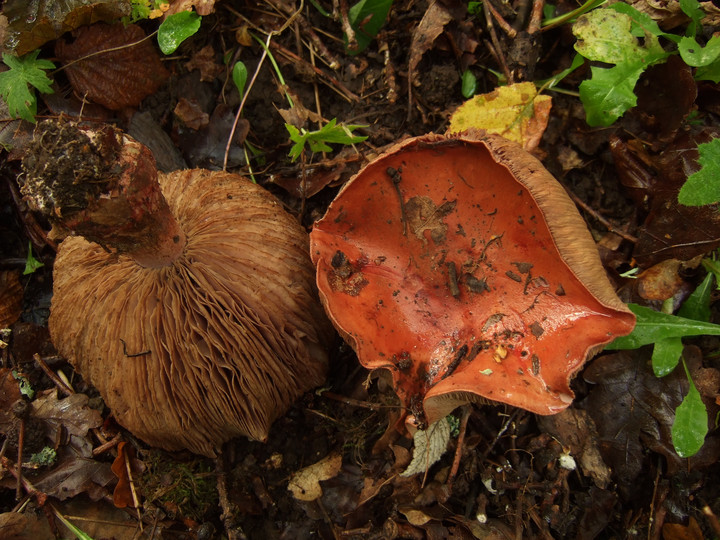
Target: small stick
<point>504,26</point>
<point>601,219</point>
<point>21,443</point>
<point>459,449</point>
<point>61,385</point>
<point>496,44</point>
<point>536,14</point>
<point>346,26</point>
<point>136,502</point>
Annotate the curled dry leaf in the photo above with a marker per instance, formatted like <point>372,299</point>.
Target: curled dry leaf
<point>119,78</point>
<point>460,265</point>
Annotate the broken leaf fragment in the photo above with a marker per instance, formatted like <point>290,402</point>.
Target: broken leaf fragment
<point>305,484</point>
<point>429,446</point>
<point>517,112</point>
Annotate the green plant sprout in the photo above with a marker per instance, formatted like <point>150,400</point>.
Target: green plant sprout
<point>31,263</point>
<point>629,41</point>
<point>176,29</point>
<point>665,332</point>
<point>318,140</point>
<point>17,83</point>
<point>146,9</point>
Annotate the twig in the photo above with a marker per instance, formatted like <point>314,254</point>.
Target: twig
<point>64,388</point>
<point>136,501</point>
<point>20,445</point>
<point>536,14</point>
<point>459,450</point>
<point>346,26</point>
<point>504,26</point>
<point>496,44</point>
<point>610,227</point>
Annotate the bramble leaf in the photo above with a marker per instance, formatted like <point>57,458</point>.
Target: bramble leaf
<point>693,54</point>
<point>28,70</point>
<point>703,187</point>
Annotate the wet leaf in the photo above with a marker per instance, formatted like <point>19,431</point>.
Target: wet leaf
<point>429,446</point>
<point>691,422</point>
<point>75,475</point>
<point>122,495</point>
<point>652,326</point>
<point>697,305</point>
<point>469,84</point>
<point>176,29</point>
<point>666,355</point>
<point>696,55</point>
<point>32,24</point>
<point>517,112</point>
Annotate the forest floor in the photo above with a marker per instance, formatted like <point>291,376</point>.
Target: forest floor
<point>604,468</point>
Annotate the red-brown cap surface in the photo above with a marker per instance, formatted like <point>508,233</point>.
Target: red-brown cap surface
<point>461,265</point>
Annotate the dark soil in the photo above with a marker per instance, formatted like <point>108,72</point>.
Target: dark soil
<point>605,468</point>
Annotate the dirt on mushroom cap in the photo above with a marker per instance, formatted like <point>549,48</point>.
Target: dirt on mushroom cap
<point>466,271</point>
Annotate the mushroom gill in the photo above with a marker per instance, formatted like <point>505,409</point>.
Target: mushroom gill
<point>192,310</point>
<point>460,265</point>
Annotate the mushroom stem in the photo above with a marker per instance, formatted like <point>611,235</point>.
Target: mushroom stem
<point>102,185</point>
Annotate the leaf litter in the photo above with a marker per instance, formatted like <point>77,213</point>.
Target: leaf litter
<point>512,477</point>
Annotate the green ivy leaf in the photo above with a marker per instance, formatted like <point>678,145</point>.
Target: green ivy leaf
<point>652,326</point>
<point>691,422</point>
<point>15,83</point>
<point>239,75</point>
<point>176,29</point>
<point>703,187</point>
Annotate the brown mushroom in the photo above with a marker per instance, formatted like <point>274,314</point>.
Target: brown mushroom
<point>460,265</point>
<point>192,310</point>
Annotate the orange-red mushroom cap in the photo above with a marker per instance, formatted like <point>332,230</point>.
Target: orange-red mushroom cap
<point>461,266</point>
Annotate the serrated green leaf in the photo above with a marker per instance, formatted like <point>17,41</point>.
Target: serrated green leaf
<point>697,305</point>
<point>691,422</point>
<point>666,355</point>
<point>652,326</point>
<point>703,187</point>
<point>693,54</point>
<point>239,75</point>
<point>692,9</point>
<point>176,29</point>
<point>28,70</point>
<point>609,93</point>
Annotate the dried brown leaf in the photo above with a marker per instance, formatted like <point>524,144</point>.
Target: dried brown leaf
<point>118,78</point>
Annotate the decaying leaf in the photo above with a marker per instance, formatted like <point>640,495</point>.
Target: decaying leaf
<point>11,295</point>
<point>430,445</point>
<point>75,475</point>
<point>517,112</point>
<point>305,484</point>
<point>116,79</point>
<point>32,24</point>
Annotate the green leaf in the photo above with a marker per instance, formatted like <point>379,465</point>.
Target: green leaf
<point>692,9</point>
<point>317,140</point>
<point>652,326</point>
<point>697,305</point>
<point>691,422</point>
<point>176,29</point>
<point>609,93</point>
<point>31,263</point>
<point>703,187</point>
<point>611,36</point>
<point>693,54</point>
<point>709,73</point>
<point>666,355</point>
<point>239,75</point>
<point>28,70</point>
<point>469,84</point>
<point>366,18</point>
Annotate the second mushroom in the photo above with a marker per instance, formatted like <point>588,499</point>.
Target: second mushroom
<point>460,265</point>
<point>189,304</point>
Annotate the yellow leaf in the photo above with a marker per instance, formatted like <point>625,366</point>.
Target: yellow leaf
<point>517,112</point>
